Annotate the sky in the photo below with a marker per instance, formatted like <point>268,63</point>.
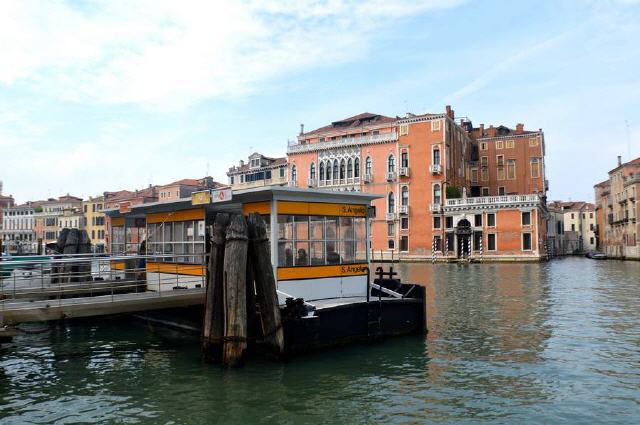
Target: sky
<point>106,95</point>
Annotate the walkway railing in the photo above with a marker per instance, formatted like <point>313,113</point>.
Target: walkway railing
<point>68,281</point>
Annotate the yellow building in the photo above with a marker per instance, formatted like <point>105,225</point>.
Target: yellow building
<point>93,221</point>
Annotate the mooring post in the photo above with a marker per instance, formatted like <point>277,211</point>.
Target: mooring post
<point>235,286</point>
<point>267,295</point>
<point>212,329</point>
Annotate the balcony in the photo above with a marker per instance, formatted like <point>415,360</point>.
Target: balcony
<point>404,210</point>
<point>493,200</point>
<point>292,183</point>
<point>435,168</point>
<point>311,182</point>
<point>368,178</point>
<point>404,171</point>
<point>301,147</point>
<point>435,208</point>
<point>390,216</point>
<point>634,178</point>
<point>391,176</point>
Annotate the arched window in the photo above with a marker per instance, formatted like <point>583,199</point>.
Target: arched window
<point>322,171</point>
<point>391,164</point>
<point>294,173</point>
<point>329,174</point>
<point>436,194</point>
<point>367,166</point>
<point>391,204</point>
<point>312,172</point>
<point>342,169</point>
<point>349,168</point>
<point>335,169</point>
<point>436,156</point>
<point>405,196</point>
<point>356,167</point>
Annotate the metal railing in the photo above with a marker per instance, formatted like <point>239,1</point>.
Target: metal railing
<point>62,278</point>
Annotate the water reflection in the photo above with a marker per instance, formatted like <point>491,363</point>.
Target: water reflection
<point>534,343</point>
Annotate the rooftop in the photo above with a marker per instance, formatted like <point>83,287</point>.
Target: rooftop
<point>356,121</point>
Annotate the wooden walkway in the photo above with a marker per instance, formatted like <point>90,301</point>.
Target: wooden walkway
<point>13,312</point>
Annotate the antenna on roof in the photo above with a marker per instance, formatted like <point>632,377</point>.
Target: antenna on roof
<point>207,173</point>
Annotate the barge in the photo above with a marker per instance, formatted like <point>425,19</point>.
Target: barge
<point>319,245</point>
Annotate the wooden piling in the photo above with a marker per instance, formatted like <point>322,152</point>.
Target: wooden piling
<point>235,286</point>
<point>265,283</point>
<point>212,329</point>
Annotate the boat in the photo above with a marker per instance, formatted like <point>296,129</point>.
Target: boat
<point>596,255</point>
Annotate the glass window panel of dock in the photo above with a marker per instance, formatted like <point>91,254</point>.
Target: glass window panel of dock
<point>179,242</point>
<point>320,240</point>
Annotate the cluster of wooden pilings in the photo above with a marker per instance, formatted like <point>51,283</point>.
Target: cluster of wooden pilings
<point>241,304</point>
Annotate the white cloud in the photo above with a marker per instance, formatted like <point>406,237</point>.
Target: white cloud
<point>168,54</point>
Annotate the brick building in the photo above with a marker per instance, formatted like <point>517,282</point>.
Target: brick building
<point>433,172</point>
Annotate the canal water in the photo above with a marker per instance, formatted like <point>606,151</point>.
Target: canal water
<point>508,343</point>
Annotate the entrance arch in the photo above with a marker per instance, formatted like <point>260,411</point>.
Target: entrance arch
<point>463,236</point>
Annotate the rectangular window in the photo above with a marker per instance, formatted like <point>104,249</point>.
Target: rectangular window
<point>533,141</point>
<point>477,220</point>
<point>491,242</point>
<point>535,168</point>
<point>404,243</point>
<point>404,223</point>
<point>591,241</point>
<point>281,172</point>
<point>573,227</point>
<point>477,239</point>
<point>491,220</point>
<point>526,241</point>
<point>437,222</point>
<point>449,242</point>
<point>391,244</point>
<point>391,229</point>
<point>404,159</point>
<point>501,191</point>
<point>448,222</point>
<point>474,175</point>
<point>500,144</point>
<point>591,226</point>
<point>435,125</point>
<point>484,173</point>
<point>500,165</point>
<point>511,169</point>
<point>485,191</point>
<point>483,146</point>
<point>510,144</point>
<point>526,218</point>
<point>404,129</point>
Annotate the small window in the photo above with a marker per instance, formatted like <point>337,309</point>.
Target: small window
<point>535,168</point>
<point>485,191</point>
<point>404,243</point>
<point>483,146</point>
<point>533,141</point>
<point>500,144</point>
<point>526,218</point>
<point>404,159</point>
<point>281,172</point>
<point>404,223</point>
<point>526,241</point>
<point>511,169</point>
<point>391,229</point>
<point>477,220</point>
<point>510,144</point>
<point>404,129</point>
<point>491,220</point>
<point>437,222</point>
<point>591,241</point>
<point>448,222</point>
<point>391,244</point>
<point>391,164</point>
<point>501,191</point>
<point>437,243</point>
<point>435,125</point>
<point>491,242</point>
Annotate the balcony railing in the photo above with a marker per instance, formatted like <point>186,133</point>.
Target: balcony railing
<point>368,178</point>
<point>435,208</point>
<point>311,182</point>
<point>293,183</point>
<point>297,147</point>
<point>390,216</point>
<point>336,182</point>
<point>391,175</point>
<point>404,171</point>
<point>634,178</point>
<point>404,209</point>
<point>492,200</point>
<point>435,168</point>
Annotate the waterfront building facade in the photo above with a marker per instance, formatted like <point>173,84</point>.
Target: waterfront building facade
<point>94,222</point>
<point>5,202</point>
<point>184,188</point>
<point>18,232</point>
<point>48,217</point>
<point>555,232</point>
<point>443,197</point>
<point>580,225</point>
<point>616,200</point>
<point>258,171</point>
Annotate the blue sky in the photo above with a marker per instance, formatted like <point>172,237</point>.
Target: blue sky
<point>99,96</point>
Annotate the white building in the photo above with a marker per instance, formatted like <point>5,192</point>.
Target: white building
<point>18,232</point>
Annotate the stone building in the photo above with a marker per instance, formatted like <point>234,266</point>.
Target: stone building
<point>580,225</point>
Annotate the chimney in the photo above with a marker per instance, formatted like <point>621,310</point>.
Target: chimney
<point>491,132</point>
<point>519,128</point>
<point>301,129</point>
<point>619,160</point>
<point>449,111</point>
<point>481,130</point>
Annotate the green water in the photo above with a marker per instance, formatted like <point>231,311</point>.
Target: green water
<point>517,343</point>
